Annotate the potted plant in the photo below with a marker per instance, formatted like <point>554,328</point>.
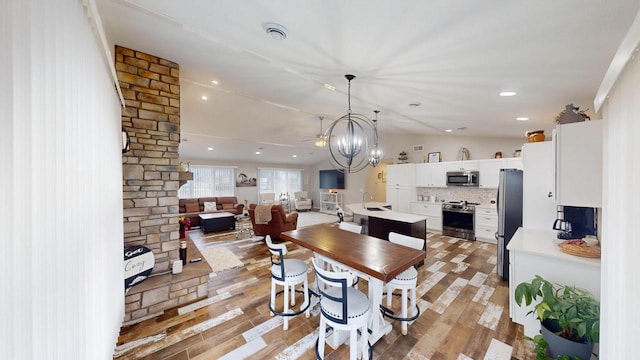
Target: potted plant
<point>569,318</point>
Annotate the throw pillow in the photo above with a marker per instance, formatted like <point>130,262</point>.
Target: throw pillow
<point>227,206</point>
<point>210,206</point>
<point>191,207</point>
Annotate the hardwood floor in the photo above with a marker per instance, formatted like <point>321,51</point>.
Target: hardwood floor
<point>464,312</point>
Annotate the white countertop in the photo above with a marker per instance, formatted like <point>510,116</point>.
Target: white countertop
<point>385,213</point>
<point>544,243</point>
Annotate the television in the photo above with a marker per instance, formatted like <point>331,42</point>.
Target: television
<point>331,179</point>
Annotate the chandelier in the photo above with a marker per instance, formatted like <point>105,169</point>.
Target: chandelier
<point>375,152</point>
<point>349,138</point>
<point>321,140</point>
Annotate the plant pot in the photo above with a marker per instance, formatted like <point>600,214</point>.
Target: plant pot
<point>561,346</point>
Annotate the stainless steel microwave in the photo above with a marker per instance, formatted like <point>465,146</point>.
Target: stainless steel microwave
<point>463,178</point>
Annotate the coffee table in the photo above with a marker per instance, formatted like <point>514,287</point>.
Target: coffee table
<point>217,222</point>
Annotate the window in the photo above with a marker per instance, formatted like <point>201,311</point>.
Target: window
<point>279,181</point>
<point>209,181</point>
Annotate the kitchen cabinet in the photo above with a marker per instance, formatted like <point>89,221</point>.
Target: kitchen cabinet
<point>486,224</point>
<point>329,202</point>
<point>400,197</point>
<point>538,182</point>
<point>535,252</point>
<point>401,174</point>
<point>401,188</point>
<point>514,163</point>
<point>465,165</point>
<point>433,212</point>
<point>579,164</point>
<point>490,170</point>
<point>431,175</point>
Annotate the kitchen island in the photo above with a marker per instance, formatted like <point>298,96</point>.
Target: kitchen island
<point>535,252</point>
<point>378,220</point>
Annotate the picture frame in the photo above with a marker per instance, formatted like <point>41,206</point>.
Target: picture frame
<point>433,157</point>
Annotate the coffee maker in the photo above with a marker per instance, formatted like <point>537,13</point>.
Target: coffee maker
<point>575,222</point>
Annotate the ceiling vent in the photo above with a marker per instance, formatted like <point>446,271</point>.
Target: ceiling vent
<point>276,31</point>
<point>417,148</point>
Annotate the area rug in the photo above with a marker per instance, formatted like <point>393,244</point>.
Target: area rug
<point>309,218</point>
<point>220,259</point>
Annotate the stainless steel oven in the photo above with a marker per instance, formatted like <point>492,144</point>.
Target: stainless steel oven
<point>458,220</point>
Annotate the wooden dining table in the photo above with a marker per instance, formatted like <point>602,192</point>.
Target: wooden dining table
<point>373,259</point>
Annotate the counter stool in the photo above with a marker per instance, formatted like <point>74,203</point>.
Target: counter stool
<point>287,273</point>
<point>343,308</point>
<point>405,281</point>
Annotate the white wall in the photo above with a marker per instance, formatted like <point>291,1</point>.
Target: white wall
<point>620,314</point>
<point>61,186</point>
<point>449,146</point>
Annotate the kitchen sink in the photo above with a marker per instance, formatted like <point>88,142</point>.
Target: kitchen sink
<point>374,209</point>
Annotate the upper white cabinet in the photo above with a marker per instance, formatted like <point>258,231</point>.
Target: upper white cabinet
<point>465,165</point>
<point>401,174</point>
<point>514,163</point>
<point>431,175</point>
<point>490,170</point>
<point>579,164</point>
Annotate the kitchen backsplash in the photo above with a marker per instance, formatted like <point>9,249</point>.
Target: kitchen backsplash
<point>469,194</point>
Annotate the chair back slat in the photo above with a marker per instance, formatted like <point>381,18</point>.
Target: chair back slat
<point>341,280</point>
<point>405,240</point>
<point>355,228</point>
<point>278,251</point>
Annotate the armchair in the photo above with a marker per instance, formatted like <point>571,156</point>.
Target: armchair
<point>301,201</point>
<point>267,198</point>
<point>279,222</point>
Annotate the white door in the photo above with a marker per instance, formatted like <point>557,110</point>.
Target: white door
<point>538,199</point>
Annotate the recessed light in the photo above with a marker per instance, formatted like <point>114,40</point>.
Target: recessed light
<point>522,118</point>
<point>257,152</point>
<point>295,155</point>
<point>209,148</point>
<point>214,82</point>
<point>204,97</point>
<point>508,93</point>
<point>448,130</point>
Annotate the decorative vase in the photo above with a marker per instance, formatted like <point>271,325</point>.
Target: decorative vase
<point>561,346</point>
<point>535,136</point>
<point>182,231</point>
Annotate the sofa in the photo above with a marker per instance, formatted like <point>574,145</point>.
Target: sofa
<point>194,207</point>
<point>279,222</point>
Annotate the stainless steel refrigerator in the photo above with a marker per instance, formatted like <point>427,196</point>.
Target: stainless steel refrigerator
<point>509,215</point>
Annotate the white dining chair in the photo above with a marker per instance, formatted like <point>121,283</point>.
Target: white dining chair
<point>405,281</point>
<point>354,228</point>
<point>287,273</point>
<point>343,308</point>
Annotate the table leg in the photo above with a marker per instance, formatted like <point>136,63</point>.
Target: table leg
<point>377,324</point>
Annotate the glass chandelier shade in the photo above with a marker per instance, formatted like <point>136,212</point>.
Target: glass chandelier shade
<point>349,138</point>
<point>375,152</point>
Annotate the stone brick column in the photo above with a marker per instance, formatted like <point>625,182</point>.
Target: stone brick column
<point>151,88</point>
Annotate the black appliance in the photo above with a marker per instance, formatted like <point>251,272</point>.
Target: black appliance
<point>509,215</point>
<point>463,178</point>
<point>458,220</point>
<point>575,222</point>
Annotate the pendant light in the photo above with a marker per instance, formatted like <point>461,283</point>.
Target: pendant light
<point>349,138</point>
<point>375,152</point>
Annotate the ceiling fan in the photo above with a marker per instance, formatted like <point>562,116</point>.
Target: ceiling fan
<point>320,139</point>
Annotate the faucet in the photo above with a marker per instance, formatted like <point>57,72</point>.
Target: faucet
<point>370,198</point>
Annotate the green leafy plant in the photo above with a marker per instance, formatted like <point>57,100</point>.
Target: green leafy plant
<point>541,349</point>
<point>575,310</point>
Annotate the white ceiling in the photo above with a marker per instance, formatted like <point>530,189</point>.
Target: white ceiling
<point>452,56</point>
